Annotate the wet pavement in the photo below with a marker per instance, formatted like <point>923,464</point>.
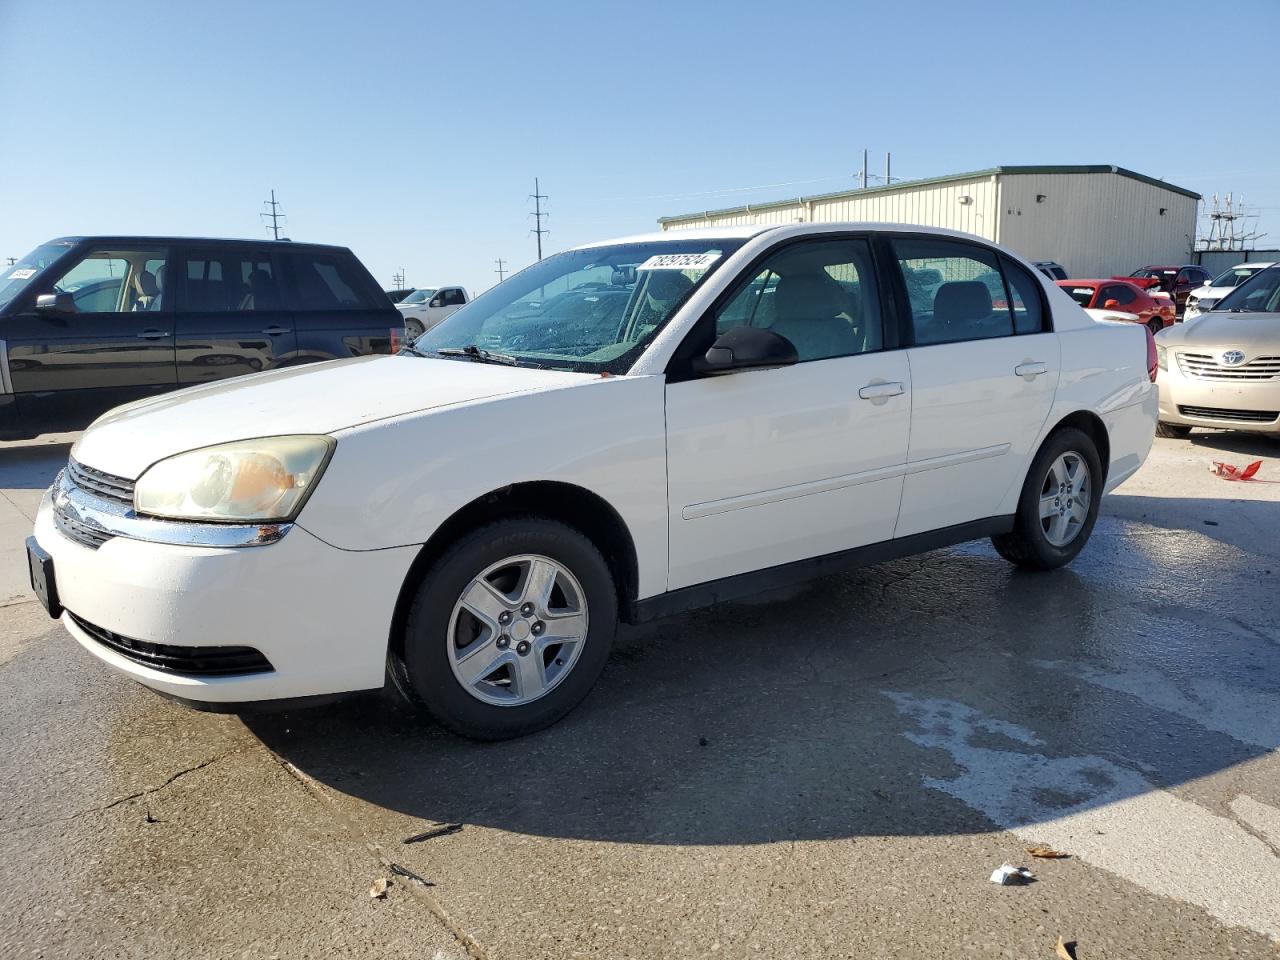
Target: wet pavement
<point>832,772</point>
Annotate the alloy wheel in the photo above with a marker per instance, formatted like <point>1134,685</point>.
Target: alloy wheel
<point>1065,496</point>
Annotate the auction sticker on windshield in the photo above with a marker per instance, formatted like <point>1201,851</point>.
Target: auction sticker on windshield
<point>23,274</point>
<point>680,261</point>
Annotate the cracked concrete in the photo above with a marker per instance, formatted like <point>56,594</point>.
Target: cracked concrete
<point>738,785</point>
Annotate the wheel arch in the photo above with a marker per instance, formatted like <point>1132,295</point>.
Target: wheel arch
<point>1092,425</point>
<point>575,506</point>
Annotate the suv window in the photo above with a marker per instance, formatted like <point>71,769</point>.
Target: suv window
<point>326,281</point>
<point>956,290</point>
<point>820,295</point>
<point>116,281</point>
<point>223,280</point>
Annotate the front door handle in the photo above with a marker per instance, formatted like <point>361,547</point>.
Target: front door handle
<point>881,391</point>
<point>1031,369</point>
<point>153,334</point>
<point>275,330</point>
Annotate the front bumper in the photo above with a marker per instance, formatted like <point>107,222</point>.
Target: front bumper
<point>1192,401</point>
<point>319,615</point>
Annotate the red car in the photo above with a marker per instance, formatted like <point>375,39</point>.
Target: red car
<point>1123,296</point>
<point>1175,281</point>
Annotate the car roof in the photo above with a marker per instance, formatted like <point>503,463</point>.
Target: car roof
<point>1168,266</point>
<point>1252,265</point>
<point>674,236</point>
<point>140,238</point>
<point>746,232</point>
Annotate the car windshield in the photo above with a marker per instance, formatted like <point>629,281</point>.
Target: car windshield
<point>420,296</point>
<point>1259,294</point>
<point>15,278</point>
<point>591,310</point>
<point>1081,295</point>
<point>1233,277</point>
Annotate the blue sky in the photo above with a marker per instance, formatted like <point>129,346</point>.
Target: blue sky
<point>412,132</point>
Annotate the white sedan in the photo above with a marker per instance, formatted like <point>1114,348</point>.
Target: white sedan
<point>721,412</point>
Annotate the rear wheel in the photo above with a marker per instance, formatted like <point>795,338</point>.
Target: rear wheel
<point>509,629</point>
<point>1059,503</point>
<point>413,329</point>
<point>1173,431</point>
<point>1155,325</point>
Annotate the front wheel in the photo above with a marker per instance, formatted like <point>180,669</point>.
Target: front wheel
<point>413,329</point>
<point>1172,431</point>
<point>1058,506</point>
<point>1155,325</point>
<point>509,629</point>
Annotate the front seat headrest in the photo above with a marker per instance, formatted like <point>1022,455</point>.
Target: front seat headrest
<point>808,296</point>
<point>961,300</point>
<point>146,284</point>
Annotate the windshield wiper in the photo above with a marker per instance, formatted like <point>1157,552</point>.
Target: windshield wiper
<point>410,348</point>
<point>479,354</point>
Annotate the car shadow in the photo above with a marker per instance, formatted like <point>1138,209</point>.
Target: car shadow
<point>33,464</point>
<point>1245,444</point>
<point>940,694</point>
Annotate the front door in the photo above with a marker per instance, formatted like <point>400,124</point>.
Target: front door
<point>770,466</point>
<point>232,318</point>
<point>108,340</point>
<point>984,370</point>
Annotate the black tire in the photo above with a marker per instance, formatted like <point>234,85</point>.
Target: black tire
<point>424,674</point>
<point>1172,431</point>
<point>413,329</point>
<point>1155,325</point>
<point>1027,546</point>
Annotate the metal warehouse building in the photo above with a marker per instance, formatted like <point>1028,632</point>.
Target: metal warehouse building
<point>1094,220</point>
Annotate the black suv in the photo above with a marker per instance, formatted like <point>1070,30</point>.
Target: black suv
<point>87,323</point>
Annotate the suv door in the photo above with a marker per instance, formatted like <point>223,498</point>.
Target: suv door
<point>769,466</point>
<point>231,315</point>
<point>983,378</point>
<point>340,311</point>
<point>109,341</point>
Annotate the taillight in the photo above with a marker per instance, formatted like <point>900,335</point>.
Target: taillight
<point>1153,358</point>
<point>396,334</point>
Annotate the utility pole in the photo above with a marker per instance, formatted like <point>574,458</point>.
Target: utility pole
<point>538,213</point>
<point>12,260</point>
<point>273,214</point>
<point>502,268</point>
<point>398,279</point>
<point>862,177</point>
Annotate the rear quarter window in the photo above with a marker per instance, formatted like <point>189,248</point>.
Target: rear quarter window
<point>326,281</point>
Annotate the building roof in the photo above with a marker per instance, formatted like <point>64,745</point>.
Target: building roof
<point>929,181</point>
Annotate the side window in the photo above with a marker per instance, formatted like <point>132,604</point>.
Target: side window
<point>452,297</point>
<point>955,289</point>
<point>223,280</point>
<point>116,281</point>
<point>1123,295</point>
<point>324,281</point>
<point>820,295</point>
<point>1028,310</point>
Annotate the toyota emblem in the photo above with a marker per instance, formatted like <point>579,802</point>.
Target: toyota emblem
<point>1232,357</point>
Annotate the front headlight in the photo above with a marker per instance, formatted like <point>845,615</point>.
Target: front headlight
<point>1162,357</point>
<point>249,481</point>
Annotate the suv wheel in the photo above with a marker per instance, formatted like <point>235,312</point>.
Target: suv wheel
<point>1059,503</point>
<point>509,629</point>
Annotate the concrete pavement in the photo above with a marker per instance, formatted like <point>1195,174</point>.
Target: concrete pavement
<point>831,773</point>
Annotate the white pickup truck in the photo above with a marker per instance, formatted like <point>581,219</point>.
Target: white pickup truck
<point>426,307</point>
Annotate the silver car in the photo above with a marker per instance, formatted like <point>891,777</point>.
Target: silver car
<point>1222,369</point>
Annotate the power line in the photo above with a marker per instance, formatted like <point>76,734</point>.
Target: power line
<point>502,269</point>
<point>538,213</point>
<point>274,214</point>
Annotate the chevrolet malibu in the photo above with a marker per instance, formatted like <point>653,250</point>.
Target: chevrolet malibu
<point>473,516</point>
<point>1222,369</point>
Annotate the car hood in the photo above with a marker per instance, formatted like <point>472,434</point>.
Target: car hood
<point>1211,293</point>
<point>1249,332</point>
<point>313,399</point>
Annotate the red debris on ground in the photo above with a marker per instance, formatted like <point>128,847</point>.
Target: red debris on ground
<point>1229,471</point>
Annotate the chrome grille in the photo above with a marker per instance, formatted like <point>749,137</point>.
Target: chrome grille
<point>100,484</point>
<point>80,532</point>
<point>1205,366</point>
<point>1222,413</point>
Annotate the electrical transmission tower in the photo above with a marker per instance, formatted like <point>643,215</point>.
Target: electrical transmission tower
<point>398,279</point>
<point>274,215</point>
<point>538,213</point>
<point>1223,233</point>
<point>502,268</point>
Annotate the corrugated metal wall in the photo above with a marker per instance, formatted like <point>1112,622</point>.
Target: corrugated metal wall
<point>1095,224</point>
<point>1218,261</point>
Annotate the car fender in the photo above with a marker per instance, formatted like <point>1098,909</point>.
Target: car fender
<point>394,482</point>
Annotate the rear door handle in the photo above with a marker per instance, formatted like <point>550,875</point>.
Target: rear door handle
<point>275,330</point>
<point>153,334</point>
<point>1031,370</point>
<point>881,391</point>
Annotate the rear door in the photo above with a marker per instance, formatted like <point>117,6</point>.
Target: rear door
<point>984,370</point>
<point>110,342</point>
<point>231,315</point>
<point>340,311</point>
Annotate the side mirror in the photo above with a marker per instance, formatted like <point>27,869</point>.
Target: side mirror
<point>55,303</point>
<point>748,348</point>
<point>1112,304</point>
